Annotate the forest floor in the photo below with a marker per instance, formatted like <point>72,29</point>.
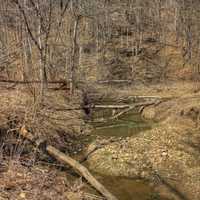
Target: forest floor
<point>166,89</point>
<point>25,171</point>
<point>166,155</point>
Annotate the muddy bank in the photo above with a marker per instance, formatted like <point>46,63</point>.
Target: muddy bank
<point>169,153</point>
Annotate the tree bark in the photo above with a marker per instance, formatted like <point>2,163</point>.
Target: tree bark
<point>74,47</point>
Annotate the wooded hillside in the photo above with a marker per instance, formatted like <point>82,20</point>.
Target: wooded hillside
<point>65,62</point>
<point>99,40</point>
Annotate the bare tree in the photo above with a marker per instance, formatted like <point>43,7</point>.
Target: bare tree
<point>40,37</point>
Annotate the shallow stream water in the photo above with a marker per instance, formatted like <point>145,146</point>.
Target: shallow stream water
<point>128,125</point>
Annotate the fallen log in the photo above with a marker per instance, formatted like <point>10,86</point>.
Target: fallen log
<point>122,113</point>
<point>83,171</point>
<point>111,126</point>
<point>139,98</point>
<point>29,82</point>
<point>146,97</point>
<point>109,106</point>
<point>127,109</point>
<point>124,106</point>
<point>114,81</point>
<point>131,108</point>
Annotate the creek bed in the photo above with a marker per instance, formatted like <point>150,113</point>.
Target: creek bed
<point>126,126</point>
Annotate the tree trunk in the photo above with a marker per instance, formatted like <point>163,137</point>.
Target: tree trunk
<point>74,47</point>
<point>42,59</point>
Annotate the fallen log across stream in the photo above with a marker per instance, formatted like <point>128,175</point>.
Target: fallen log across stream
<point>127,108</point>
<point>131,107</point>
<point>114,81</point>
<point>113,106</point>
<point>123,106</point>
<point>58,155</point>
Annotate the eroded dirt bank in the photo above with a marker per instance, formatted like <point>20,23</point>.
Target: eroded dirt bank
<point>26,171</point>
<point>167,155</point>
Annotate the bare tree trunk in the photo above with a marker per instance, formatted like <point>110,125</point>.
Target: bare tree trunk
<point>41,57</point>
<point>5,39</point>
<point>74,48</point>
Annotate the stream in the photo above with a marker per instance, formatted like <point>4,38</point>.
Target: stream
<point>128,125</point>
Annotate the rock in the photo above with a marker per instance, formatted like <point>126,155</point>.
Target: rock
<point>135,157</point>
<point>164,154</point>
<point>72,196</point>
<point>144,174</point>
<point>149,113</point>
<point>147,152</point>
<point>164,149</point>
<point>114,157</point>
<point>22,195</point>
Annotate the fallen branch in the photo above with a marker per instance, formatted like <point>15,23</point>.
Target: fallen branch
<point>128,108</point>
<point>131,108</point>
<point>83,171</point>
<point>121,113</point>
<point>109,106</point>
<point>29,82</point>
<point>114,81</point>
<point>123,106</point>
<point>111,126</point>
<point>146,97</point>
<point>96,147</point>
<point>139,98</point>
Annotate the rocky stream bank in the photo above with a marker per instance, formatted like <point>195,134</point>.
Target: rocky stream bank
<point>167,155</point>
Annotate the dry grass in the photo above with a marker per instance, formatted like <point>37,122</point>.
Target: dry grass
<point>21,174</point>
<point>170,89</point>
<point>21,182</point>
<point>55,115</point>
